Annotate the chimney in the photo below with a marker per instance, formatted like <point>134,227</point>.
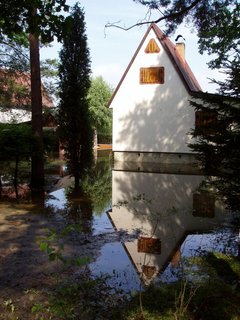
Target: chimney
<point>180,47</point>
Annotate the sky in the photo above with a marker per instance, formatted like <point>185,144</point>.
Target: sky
<point>111,49</point>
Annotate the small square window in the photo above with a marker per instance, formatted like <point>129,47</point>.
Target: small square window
<point>206,121</point>
<point>203,205</point>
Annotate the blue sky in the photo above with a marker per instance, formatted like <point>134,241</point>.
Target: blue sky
<point>111,49</point>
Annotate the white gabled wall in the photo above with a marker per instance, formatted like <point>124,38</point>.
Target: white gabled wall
<point>152,117</point>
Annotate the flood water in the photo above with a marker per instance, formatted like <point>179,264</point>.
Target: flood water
<point>147,226</point>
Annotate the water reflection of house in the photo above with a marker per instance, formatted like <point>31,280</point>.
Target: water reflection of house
<point>152,116</point>
<point>163,209</point>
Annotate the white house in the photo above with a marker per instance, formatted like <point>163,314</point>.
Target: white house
<point>164,209</point>
<point>16,108</point>
<point>152,116</point>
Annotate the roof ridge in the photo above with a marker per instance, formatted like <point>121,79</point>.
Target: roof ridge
<point>179,62</point>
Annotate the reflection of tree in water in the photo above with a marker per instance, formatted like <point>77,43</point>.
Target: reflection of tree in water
<point>226,188</point>
<point>93,195</point>
<point>78,208</point>
<point>97,184</point>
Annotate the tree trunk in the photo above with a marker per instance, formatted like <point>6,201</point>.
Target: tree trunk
<point>15,179</point>
<point>37,174</point>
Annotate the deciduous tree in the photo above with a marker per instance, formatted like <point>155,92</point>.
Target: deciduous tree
<point>99,95</point>
<point>38,19</point>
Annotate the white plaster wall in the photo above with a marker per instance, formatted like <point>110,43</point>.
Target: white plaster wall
<point>14,116</point>
<point>166,214</point>
<point>152,117</point>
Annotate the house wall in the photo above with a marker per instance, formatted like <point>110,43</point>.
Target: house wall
<point>152,117</point>
<point>167,213</point>
<point>14,116</point>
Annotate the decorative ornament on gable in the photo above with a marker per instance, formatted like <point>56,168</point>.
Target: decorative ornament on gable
<point>152,47</point>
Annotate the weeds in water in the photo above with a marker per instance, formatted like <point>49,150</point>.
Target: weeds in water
<point>9,305</point>
<point>74,295</point>
<point>52,243</point>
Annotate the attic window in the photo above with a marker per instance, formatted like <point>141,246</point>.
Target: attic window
<point>152,75</point>
<point>152,47</point>
<point>149,271</point>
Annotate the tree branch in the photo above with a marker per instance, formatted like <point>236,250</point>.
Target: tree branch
<point>14,48</point>
<point>170,16</point>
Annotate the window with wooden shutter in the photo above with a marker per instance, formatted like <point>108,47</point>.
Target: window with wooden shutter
<point>152,75</point>
<point>149,245</point>
<point>203,205</point>
<point>206,121</point>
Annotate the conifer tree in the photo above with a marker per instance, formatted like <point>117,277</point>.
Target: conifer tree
<point>75,130</point>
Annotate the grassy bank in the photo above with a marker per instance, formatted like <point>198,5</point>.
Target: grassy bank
<point>216,296</point>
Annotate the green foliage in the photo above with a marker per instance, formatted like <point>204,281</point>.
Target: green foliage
<point>15,141</point>
<point>84,298</point>
<point>218,147</point>
<point>14,54</point>
<point>53,245</point>
<point>97,185</point>
<point>216,296</point>
<point>51,141</point>
<point>49,76</point>
<point>16,18</point>
<point>99,95</point>
<point>9,304</point>
<point>74,122</point>
<point>15,64</point>
<point>38,19</point>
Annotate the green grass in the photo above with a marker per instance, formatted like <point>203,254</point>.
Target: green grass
<point>215,296</point>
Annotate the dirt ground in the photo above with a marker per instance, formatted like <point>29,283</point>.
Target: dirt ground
<point>26,274</point>
<point>22,265</point>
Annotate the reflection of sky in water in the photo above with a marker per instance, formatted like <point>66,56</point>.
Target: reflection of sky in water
<point>196,245</point>
<point>114,259</point>
<point>115,262</point>
<point>57,199</point>
<point>102,224</point>
<point>210,242</point>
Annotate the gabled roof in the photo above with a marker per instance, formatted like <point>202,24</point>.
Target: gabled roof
<point>178,62</point>
<point>23,82</point>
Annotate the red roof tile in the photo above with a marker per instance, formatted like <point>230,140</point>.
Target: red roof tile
<point>179,63</point>
<point>23,79</point>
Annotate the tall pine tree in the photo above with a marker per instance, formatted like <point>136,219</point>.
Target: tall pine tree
<point>75,130</point>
